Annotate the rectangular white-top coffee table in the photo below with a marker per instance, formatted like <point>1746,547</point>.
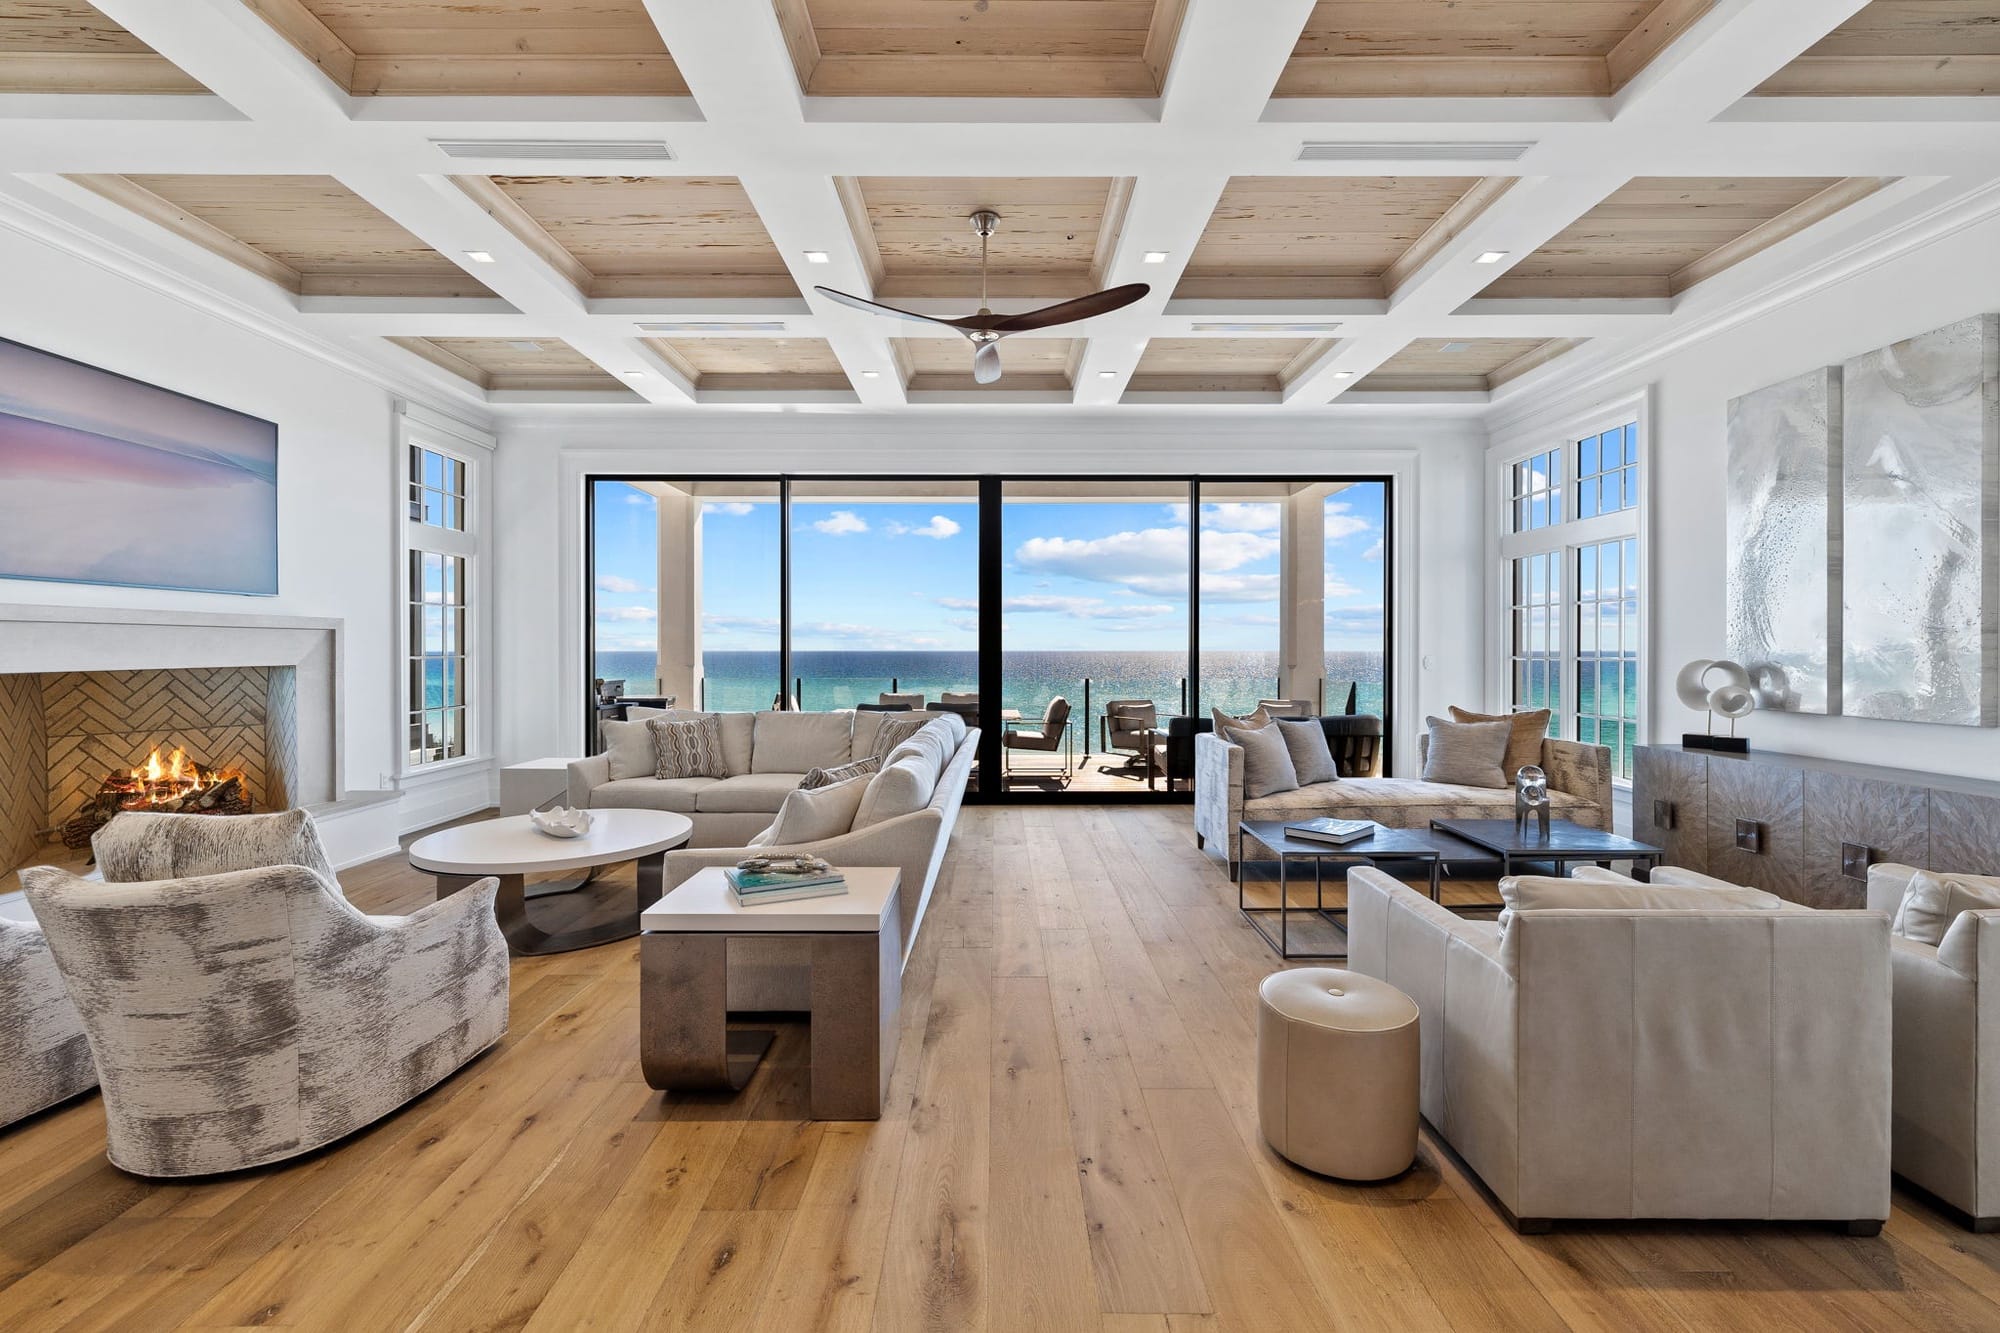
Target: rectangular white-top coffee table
<point>856,947</point>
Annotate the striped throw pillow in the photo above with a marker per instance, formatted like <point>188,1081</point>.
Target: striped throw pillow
<point>826,777</point>
<point>688,749</point>
<point>893,732</point>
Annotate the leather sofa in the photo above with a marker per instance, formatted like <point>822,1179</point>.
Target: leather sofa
<point>1630,1061</point>
<point>1579,791</point>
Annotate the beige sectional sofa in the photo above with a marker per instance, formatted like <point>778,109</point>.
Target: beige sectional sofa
<point>1635,1059</point>
<point>1579,791</point>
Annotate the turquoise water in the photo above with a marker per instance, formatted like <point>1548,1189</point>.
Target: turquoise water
<point>1233,681</point>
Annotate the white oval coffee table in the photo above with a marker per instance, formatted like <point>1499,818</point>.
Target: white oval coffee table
<point>511,849</point>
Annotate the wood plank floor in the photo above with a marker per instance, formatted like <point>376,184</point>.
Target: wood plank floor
<point>1071,1144</point>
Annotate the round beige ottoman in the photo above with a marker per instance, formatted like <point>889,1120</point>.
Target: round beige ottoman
<point>1337,1072</point>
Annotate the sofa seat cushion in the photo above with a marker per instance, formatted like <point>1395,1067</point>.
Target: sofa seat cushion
<point>750,794</point>
<point>673,794</point>
<point>1407,802</point>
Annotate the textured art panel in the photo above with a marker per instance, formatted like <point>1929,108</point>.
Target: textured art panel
<point>1784,541</point>
<point>1922,450</point>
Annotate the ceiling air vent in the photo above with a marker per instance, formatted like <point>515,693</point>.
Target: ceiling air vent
<point>563,150</point>
<point>1430,151</point>
<point>1309,328</point>
<point>692,328</point>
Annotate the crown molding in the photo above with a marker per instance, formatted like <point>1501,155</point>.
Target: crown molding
<point>46,228</point>
<point>1532,403</point>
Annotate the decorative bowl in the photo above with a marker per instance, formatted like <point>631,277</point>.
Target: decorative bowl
<point>561,822</point>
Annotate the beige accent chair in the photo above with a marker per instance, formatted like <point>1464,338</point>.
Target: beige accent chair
<point>1645,1061</point>
<point>44,1056</point>
<point>1053,736</point>
<point>1947,1044</point>
<point>1131,727</point>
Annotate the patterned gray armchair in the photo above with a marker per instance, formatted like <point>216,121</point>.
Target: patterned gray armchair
<point>244,1015</point>
<point>44,1058</point>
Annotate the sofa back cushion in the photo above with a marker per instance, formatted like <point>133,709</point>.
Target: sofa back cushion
<point>1312,757</point>
<point>909,776</point>
<point>1528,893</point>
<point>1467,754</point>
<point>142,845</point>
<point>801,742</point>
<point>1934,899</point>
<point>629,745</point>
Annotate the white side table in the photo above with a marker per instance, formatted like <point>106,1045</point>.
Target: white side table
<point>526,785</point>
<point>856,942</point>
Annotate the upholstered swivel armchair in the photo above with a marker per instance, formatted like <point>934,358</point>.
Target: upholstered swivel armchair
<point>44,1058</point>
<point>1131,727</point>
<point>242,1016</point>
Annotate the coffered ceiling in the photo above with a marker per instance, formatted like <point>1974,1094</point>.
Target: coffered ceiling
<point>569,205</point>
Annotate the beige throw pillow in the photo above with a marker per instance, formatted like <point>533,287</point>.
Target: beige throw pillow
<point>628,745</point>
<point>816,814</point>
<point>1467,754</point>
<point>687,749</point>
<point>1935,899</point>
<point>826,777</point>
<point>893,732</point>
<point>1224,722</point>
<point>1312,757</point>
<point>1267,760</point>
<point>1524,742</point>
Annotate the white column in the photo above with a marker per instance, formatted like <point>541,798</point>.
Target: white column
<point>679,625</point>
<point>1302,594</point>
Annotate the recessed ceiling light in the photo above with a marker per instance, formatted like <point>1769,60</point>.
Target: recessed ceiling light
<point>1155,256</point>
<point>1107,374</point>
<point>521,345</point>
<point>1456,347</point>
<point>818,257</point>
<point>635,374</point>
<point>1491,257</point>
<point>1343,374</point>
<point>871,374</point>
<point>480,257</point>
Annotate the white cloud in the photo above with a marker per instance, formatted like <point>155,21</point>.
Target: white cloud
<point>1342,522</point>
<point>614,583</point>
<point>970,624</point>
<point>841,523</point>
<point>867,636</point>
<point>1374,552</point>
<point>1084,608</point>
<point>1239,587</point>
<point>959,603</point>
<point>1336,586</point>
<point>1234,517</point>
<point>1153,560</point>
<point>626,613</point>
<point>640,498</point>
<point>938,528</point>
<point>734,508</point>
<point>748,624</point>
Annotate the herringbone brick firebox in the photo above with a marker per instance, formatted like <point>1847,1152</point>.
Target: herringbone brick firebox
<point>62,732</point>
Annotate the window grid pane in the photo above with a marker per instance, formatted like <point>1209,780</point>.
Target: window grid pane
<point>1607,651</point>
<point>1607,471</point>
<point>437,599</point>
<point>437,489</point>
<point>1536,651</point>
<point>1537,499</point>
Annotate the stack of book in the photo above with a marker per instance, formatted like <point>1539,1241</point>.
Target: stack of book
<point>1339,832</point>
<point>754,887</point>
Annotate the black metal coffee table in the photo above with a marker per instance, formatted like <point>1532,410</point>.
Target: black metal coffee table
<point>1385,846</point>
<point>1565,843</point>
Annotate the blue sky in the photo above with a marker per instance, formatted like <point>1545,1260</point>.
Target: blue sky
<point>1090,576</point>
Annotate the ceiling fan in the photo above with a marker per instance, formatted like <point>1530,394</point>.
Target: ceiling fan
<point>986,329</point>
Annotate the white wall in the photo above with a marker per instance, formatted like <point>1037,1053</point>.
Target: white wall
<point>334,465</point>
<point>539,503</point>
<point>1946,280</point>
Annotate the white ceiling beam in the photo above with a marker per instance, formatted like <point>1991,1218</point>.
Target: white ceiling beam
<point>1724,55</point>
<point>226,47</point>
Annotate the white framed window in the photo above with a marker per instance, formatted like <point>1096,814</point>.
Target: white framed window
<point>441,573</point>
<point>1570,563</point>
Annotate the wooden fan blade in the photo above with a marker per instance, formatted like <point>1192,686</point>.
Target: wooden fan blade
<point>1083,307</point>
<point>985,363</point>
<point>877,308</point>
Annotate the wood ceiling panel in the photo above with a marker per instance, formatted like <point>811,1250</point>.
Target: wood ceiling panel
<point>1901,48</point>
<point>333,240</point>
<point>1328,237</point>
<point>1654,236</point>
<point>651,235</point>
<point>1467,364</point>
<point>1046,244</point>
<point>491,47</point>
<point>755,363</point>
<point>1025,363</point>
<point>499,363</point>
<point>1219,364</point>
<point>57,46</point>
<point>981,48</point>
<point>1479,48</point>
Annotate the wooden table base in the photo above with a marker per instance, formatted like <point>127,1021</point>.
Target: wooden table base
<point>526,938</point>
<point>685,1044</point>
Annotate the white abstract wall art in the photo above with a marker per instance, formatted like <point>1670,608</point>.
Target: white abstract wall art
<point>1784,541</point>
<point>1921,495</point>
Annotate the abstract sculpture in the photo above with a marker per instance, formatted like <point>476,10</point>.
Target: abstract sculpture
<point>1531,797</point>
<point>1730,696</point>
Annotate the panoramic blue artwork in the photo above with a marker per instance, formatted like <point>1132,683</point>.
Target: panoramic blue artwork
<point>104,479</point>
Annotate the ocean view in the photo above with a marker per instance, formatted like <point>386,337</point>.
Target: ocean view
<point>1234,681</point>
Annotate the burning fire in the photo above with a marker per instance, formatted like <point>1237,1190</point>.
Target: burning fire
<point>162,781</point>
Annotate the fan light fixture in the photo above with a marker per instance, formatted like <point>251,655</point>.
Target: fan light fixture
<point>985,329</point>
